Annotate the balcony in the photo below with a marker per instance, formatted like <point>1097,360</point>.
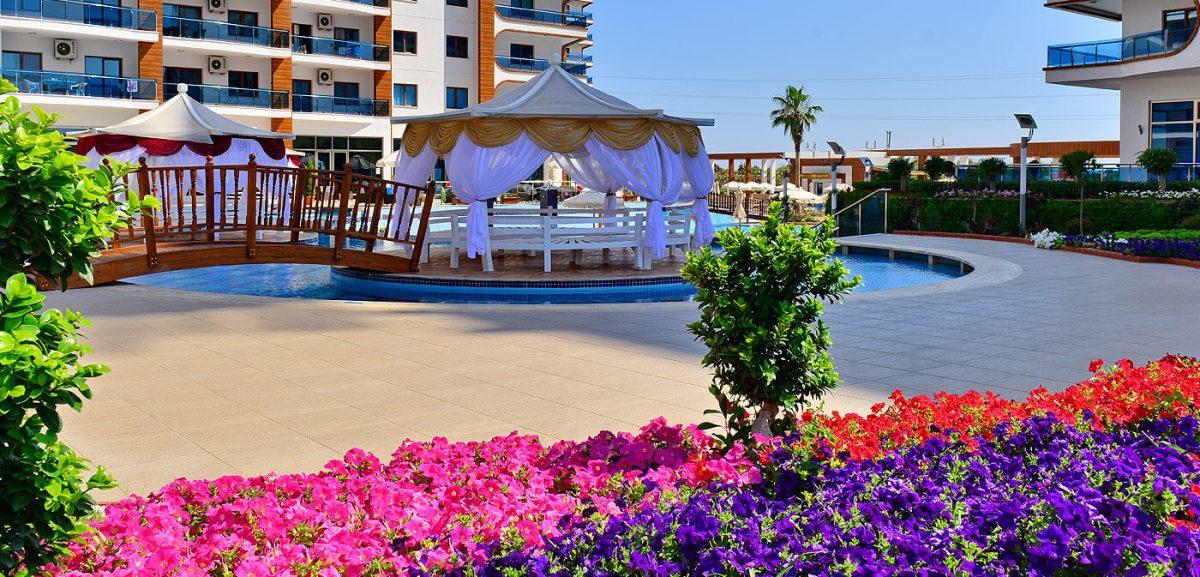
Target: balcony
<point>1118,50</point>
<point>232,96</point>
<point>534,65</point>
<point>44,82</point>
<point>339,105</point>
<point>341,48</point>
<point>568,19</point>
<point>82,13</point>
<point>224,32</point>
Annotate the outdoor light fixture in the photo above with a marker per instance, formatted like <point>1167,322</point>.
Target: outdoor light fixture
<point>1026,122</point>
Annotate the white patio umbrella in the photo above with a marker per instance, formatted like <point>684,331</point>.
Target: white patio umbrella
<point>803,196</point>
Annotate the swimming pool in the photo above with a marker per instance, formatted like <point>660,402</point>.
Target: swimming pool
<point>879,272</point>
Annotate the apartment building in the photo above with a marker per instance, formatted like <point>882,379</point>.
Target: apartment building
<point>1155,65</point>
<point>332,72</point>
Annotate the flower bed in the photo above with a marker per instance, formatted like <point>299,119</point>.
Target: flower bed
<point>1101,478</point>
<point>1146,246</point>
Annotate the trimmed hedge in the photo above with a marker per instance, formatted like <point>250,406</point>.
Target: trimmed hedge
<point>1000,215</point>
<point>1049,189</point>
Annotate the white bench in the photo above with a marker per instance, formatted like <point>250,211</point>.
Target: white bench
<point>440,230</point>
<point>546,233</point>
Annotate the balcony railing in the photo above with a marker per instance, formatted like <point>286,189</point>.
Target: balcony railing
<point>224,31</point>
<point>1118,50</point>
<point>339,105</point>
<point>376,3</point>
<point>570,18</point>
<point>82,13</point>
<point>231,96</point>
<point>75,84</point>
<point>538,65</point>
<point>343,48</point>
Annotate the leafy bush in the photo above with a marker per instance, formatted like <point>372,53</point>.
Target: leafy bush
<point>760,309</point>
<point>899,170</point>
<point>1177,234</point>
<point>991,170</point>
<point>44,487</point>
<point>55,213</point>
<point>938,168</point>
<point>1158,162</point>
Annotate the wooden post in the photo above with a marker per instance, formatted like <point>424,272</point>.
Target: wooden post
<point>419,243</point>
<point>378,198</point>
<point>210,194</point>
<point>251,207</point>
<point>339,240</point>
<point>143,178</point>
<point>299,195</point>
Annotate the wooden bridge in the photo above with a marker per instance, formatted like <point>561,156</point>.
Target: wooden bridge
<point>227,215</point>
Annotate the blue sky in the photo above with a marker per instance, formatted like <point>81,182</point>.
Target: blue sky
<point>928,69</point>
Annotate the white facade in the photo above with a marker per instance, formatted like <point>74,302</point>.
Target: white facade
<point>1155,65</point>
<point>336,92</point>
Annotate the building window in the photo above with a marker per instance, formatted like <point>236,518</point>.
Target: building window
<point>404,94</point>
<point>243,79</point>
<point>346,34</point>
<point>524,51</point>
<point>173,76</point>
<point>456,47</point>
<point>462,3</point>
<point>22,60</point>
<point>404,41</point>
<point>243,18</point>
<point>521,4</point>
<point>345,89</point>
<point>332,152</point>
<point>1173,126</point>
<point>456,97</point>
<point>1179,25</point>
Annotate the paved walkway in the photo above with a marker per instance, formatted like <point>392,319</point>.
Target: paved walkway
<point>205,385</point>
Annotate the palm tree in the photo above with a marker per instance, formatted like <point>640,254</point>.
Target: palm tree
<point>796,114</point>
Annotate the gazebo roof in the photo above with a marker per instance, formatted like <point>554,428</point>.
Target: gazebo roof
<point>184,119</point>
<point>554,93</point>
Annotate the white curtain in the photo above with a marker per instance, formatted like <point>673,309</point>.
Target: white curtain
<point>700,179</point>
<point>586,170</point>
<point>654,172</point>
<point>481,173</point>
<point>413,170</point>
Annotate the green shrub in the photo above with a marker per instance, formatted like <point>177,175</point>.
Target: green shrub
<point>55,213</point>
<point>937,168</point>
<point>760,310</point>
<point>1158,162</point>
<point>1174,234</point>
<point>1190,222</point>
<point>44,486</point>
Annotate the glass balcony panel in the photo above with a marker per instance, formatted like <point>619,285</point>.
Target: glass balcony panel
<point>75,84</point>
<point>339,105</point>
<point>1112,51</point>
<point>224,31</point>
<point>82,13</point>
<point>343,48</point>
<point>570,18</point>
<point>213,94</point>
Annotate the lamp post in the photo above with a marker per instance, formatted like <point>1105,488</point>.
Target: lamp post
<point>1026,122</point>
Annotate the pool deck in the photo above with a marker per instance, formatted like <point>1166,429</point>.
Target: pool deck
<point>204,385</point>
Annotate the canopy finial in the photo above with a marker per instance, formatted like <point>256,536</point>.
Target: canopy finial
<point>182,87</point>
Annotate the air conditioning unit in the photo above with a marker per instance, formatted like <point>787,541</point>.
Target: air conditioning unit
<point>216,5</point>
<point>64,49</point>
<point>324,76</point>
<point>324,21</point>
<point>216,65</point>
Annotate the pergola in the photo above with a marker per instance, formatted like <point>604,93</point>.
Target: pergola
<point>603,142</point>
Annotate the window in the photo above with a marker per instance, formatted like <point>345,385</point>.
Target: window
<point>1178,25</point>
<point>243,18</point>
<point>1173,126</point>
<point>524,51</point>
<point>345,89</point>
<point>404,94</point>
<point>329,152</point>
<point>456,97</point>
<point>456,47</point>
<point>404,41</point>
<point>462,3</point>
<point>22,60</point>
<point>302,96</point>
<point>347,34</point>
<point>521,4</point>
<point>102,66</point>
<point>173,76</point>
<point>181,21</point>
<point>243,79</point>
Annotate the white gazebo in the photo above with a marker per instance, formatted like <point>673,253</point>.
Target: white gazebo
<point>183,132</point>
<point>603,142</point>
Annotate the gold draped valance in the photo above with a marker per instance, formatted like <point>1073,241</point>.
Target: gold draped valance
<point>562,135</point>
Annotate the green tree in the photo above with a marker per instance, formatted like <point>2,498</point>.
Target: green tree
<point>1076,165</point>
<point>795,113</point>
<point>991,170</point>
<point>1158,162</point>
<point>938,168</point>
<point>900,169</point>
<point>44,486</point>
<point>55,213</point>
<point>760,316</point>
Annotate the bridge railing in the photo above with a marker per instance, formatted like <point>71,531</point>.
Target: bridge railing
<point>213,204</point>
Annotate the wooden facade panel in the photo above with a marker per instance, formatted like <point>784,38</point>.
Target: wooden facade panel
<point>281,74</point>
<point>487,49</point>
<point>383,78</point>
